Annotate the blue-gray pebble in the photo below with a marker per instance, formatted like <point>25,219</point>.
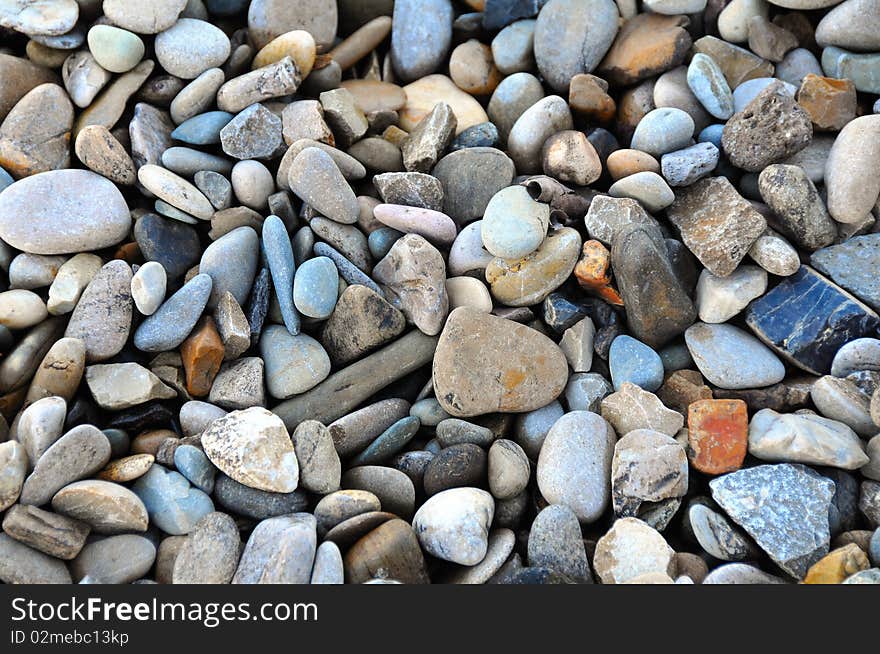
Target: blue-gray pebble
<point>203,129</point>
<point>173,505</point>
<point>174,320</point>
<point>483,135</point>
<point>194,464</point>
<point>381,240</point>
<point>632,361</point>
<point>316,288</point>
<point>279,256</point>
<point>231,261</point>
<point>347,270</point>
<point>388,443</point>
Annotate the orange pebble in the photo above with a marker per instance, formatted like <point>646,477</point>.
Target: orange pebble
<point>718,435</point>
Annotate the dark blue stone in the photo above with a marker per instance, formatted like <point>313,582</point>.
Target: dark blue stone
<point>854,264</point>
<point>170,242</point>
<point>500,13</point>
<point>561,312</point>
<point>807,318</point>
<point>484,135</point>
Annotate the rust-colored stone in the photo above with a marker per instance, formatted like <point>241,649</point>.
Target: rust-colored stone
<point>836,566</point>
<point>588,95</point>
<point>130,253</point>
<point>718,435</point>
<point>647,45</point>
<point>626,162</point>
<point>593,274</point>
<point>830,102</point>
<point>202,354</point>
<point>682,388</point>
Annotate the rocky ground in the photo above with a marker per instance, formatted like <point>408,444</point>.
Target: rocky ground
<point>423,291</point>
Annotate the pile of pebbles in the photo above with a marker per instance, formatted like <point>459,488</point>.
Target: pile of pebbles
<point>422,291</point>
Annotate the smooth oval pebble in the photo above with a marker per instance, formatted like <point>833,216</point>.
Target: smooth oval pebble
<point>109,508</point>
<point>454,525</point>
<point>434,226</point>
<point>172,504</point>
<point>316,287</point>
<point>294,364</point>
<point>80,211</point>
<point>116,50</point>
<point>731,358</point>
<point>663,130</point>
<point>190,47</point>
<point>115,560</point>
<point>514,224</point>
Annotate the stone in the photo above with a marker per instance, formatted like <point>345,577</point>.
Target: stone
<point>501,381</point>
<point>632,361</point>
<point>390,551</point>
<point>528,281</point>
<point>190,47</point>
<point>388,443</point>
<point>804,438</point>
<point>319,465</point>
<point>231,262</point>
<point>175,190</point>
<point>67,222</point>
<point>468,292</point>
<point>717,439</point>
<point>609,215</point>
<point>838,565</point>
<point>413,273</point>
<point>740,573</point>
<point>649,476</point>
<point>850,264</point>
<point>173,505</point>
<point>508,469</point>
<point>648,188</point>
<point>20,309</point>
<point>774,254</point>
<point>577,345</point>
<point>851,190</point>
<point>127,468</point>
<point>20,564</point>
<point>35,135</point>
<point>731,358</point>
<point>658,309</point>
<point>149,18</point>
<point>861,69</point>
<point>60,371</point>
<point>513,96</point>
<point>842,400</point>
<point>784,508</point>
<point>684,167</point>
<point>647,45</point>
<point>536,124</point>
<point>339,506</point>
<point>116,50</point>
<point>663,130</point>
<point>455,466</point>
<point>253,503</point>
<point>328,567</point>
<point>630,549</point>
<point>393,488</point>
<point>331,196</point>
<point>572,38</point>
<point>107,507</point>
<point>360,322</point>
<point>830,102</point>
<point>13,468</point>
<point>169,326</point>
<point>470,178</point>
<point>119,386</point>
<point>514,224</point>
<point>569,157</point>
<point>799,211</point>
<point>574,464</point>
<point>738,64</point>
<point>56,535</point>
<point>810,343</point>
<point>721,298</point>
<point>717,536</point>
<point>272,81</point>
<point>859,354</point>
<point>148,287</point>
<point>252,447</point>
<point>708,84</point>
<point>168,242</point>
<point>421,33</point>
<point>436,227</point>
<point>512,47</point>
<point>210,553</point>
<point>555,542</point>
<point>454,525</point>
<point>280,550</point>
<point>851,25</point>
<point>253,133</point>
<point>769,40</point>
<point>711,207</point>
<point>771,127</point>
<point>632,408</point>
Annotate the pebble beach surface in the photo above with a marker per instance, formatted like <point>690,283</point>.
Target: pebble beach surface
<point>435,291</point>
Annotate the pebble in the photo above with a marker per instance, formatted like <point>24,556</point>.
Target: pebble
<point>649,476</point>
<point>436,227</point>
<point>102,153</point>
<point>272,81</point>
<point>771,127</point>
<point>810,345</point>
<point>280,550</point>
<point>253,503</point>
<point>574,464</point>
<point>148,287</point>
<point>328,568</point>
<point>332,196</point>
<point>851,190</point>
<point>804,438</point>
<point>231,262</point>
<point>632,361</point>
<point>849,264</point>
<point>20,564</point>
<point>632,408</point>
<point>663,130</point>
<point>115,560</point>
<point>172,504</point>
<point>34,136</point>
<point>116,50</point>
<point>630,549</point>
<point>512,47</point>
<point>190,47</point>
<point>13,468</point>
<point>530,280</point>
<point>388,552</point>
<point>684,167</point>
<point>717,536</point>
<point>573,37</point>
<point>647,187</point>
<point>706,80</point>
<point>168,242</point>
<point>454,525</point>
<point>393,488</point>
<point>414,272</point>
<point>719,299</point>
<point>534,126</point>
<point>647,44</point>
<point>454,467</point>
<point>106,507</point>
<point>858,354</point>
<point>514,224</point>
<point>844,401</point>
<point>731,358</point>
<point>717,438</point>
<point>119,386</point>
<point>795,535</point>
<point>56,535</point>
<point>172,322</point>
<point>861,69</point>
<point>149,18</point>
<point>299,45</point>
<point>175,190</point>
<point>798,208</point>
<point>555,542</point>
<point>67,221</point>
<point>713,206</point>
<point>253,133</point>
<point>315,288</point>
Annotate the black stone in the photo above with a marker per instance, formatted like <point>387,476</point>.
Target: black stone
<point>255,503</point>
<point>82,411</point>
<point>143,416</point>
<point>258,305</point>
<point>604,143</point>
<point>6,339</point>
<point>807,318</point>
<point>843,515</point>
<point>854,264</point>
<point>684,263</point>
<point>456,466</point>
<point>170,242</point>
<point>484,135</point>
<point>536,577</point>
<point>500,13</point>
